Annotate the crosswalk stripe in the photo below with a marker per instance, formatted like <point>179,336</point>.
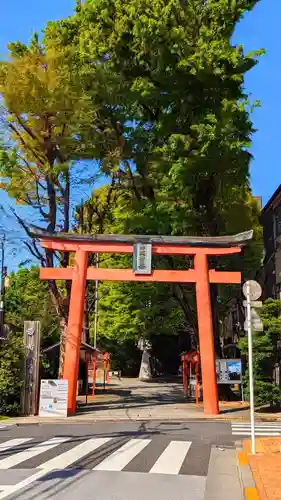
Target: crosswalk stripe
<point>69,457</point>
<point>257,427</point>
<point>258,422</point>
<point>17,458</point>
<point>12,443</point>
<point>171,460</point>
<point>258,433</point>
<point>272,426</point>
<point>121,457</point>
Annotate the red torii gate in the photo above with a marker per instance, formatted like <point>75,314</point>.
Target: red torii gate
<point>200,275</point>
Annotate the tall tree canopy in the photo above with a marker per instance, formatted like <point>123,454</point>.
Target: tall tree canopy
<point>154,96</point>
<point>46,117</point>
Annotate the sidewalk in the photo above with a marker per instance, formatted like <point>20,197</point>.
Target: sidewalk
<point>223,480</point>
<point>265,467</point>
<point>132,400</point>
<point>107,411</point>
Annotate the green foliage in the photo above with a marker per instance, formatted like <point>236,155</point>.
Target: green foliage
<point>11,367</point>
<point>125,355</point>
<point>266,354</point>
<point>27,298</point>
<point>134,310</point>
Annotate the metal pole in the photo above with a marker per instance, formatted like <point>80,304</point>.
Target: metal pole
<point>96,306</point>
<point>2,288</point>
<point>242,392</point>
<point>251,378</point>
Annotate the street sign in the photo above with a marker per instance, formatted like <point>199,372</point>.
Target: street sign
<point>256,322</point>
<point>255,289</point>
<point>256,304</point>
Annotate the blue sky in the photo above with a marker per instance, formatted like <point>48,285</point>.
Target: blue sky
<point>259,29</point>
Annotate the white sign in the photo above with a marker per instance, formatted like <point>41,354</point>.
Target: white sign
<point>256,322</point>
<point>53,398</point>
<point>255,289</point>
<point>256,304</point>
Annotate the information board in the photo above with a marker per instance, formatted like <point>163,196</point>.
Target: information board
<point>53,398</point>
<point>229,371</point>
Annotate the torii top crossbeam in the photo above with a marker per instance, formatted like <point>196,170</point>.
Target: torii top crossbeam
<point>200,275</point>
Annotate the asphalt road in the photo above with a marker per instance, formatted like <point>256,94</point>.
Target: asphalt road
<point>117,461</point>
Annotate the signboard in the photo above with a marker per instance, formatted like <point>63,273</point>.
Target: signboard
<point>256,304</point>
<point>142,258</point>
<point>255,289</point>
<point>229,371</point>
<point>256,322</point>
<point>53,398</point>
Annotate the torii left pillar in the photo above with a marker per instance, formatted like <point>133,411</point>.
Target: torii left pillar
<point>75,326</point>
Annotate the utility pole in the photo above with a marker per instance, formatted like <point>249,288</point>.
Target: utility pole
<point>2,288</point>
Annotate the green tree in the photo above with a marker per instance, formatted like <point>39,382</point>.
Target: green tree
<point>167,119</point>
<point>266,355</point>
<point>11,365</point>
<point>46,115</point>
<point>27,298</point>
<point>176,93</point>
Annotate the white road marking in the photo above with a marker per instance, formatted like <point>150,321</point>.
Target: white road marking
<point>171,460</point>
<point>277,429</point>
<point>12,443</point>
<point>258,425</point>
<point>9,490</point>
<point>60,462</point>
<point>257,433</point>
<point>69,457</point>
<point>261,428</point>
<point>22,456</point>
<point>120,458</point>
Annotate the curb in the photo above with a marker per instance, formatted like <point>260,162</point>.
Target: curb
<point>245,473</point>
<point>95,419</point>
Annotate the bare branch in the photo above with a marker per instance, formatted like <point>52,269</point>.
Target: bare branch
<point>35,252</point>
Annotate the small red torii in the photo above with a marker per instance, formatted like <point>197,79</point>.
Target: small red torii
<point>201,276</point>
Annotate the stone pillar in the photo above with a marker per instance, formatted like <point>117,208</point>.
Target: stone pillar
<point>145,374</point>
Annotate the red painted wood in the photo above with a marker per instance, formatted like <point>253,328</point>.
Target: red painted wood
<point>74,328</point>
<point>159,275</point>
<point>108,247</point>
<point>206,336</point>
